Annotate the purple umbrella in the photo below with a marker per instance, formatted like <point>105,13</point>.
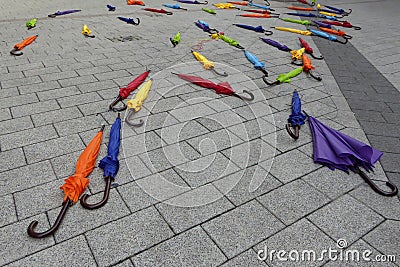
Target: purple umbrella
<point>339,151</point>
<point>192,2</point>
<point>60,13</point>
<point>276,44</point>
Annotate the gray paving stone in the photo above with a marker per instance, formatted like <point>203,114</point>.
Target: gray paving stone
<point>385,237</point>
<point>332,183</point>
<point>15,242</point>
<point>34,108</point>
<point>95,107</point>
<point>238,188</point>
<point>182,131</point>
<point>18,100</point>
<point>80,220</point>
<point>252,129</point>
<point>21,178</point>
<point>81,124</point>
<point>93,70</point>
<point>39,87</point>
<point>390,162</point>
<point>193,207</point>
<point>191,248</point>
<point>22,67</point>
<point>27,137</point>
<point>135,197</point>
<point>247,258</point>
<point>15,125</point>
<point>73,65</point>
<point>191,112</point>
<point>126,263</point>
<point>157,121</point>
<point>58,76</point>
<point>55,116</point>
<point>206,169</point>
<point>53,148</point>
<point>241,228</point>
<point>5,114</point>
<point>7,210</point>
<point>136,233</point>
<point>41,71</point>
<point>97,86</point>
<point>64,165</point>
<point>346,218</point>
<point>290,166</point>
<point>283,142</point>
<point>79,99</point>
<point>12,159</point>
<point>73,252</point>
<point>300,236</point>
<point>20,81</point>
<point>11,76</point>
<point>293,201</point>
<point>77,80</point>
<point>58,93</point>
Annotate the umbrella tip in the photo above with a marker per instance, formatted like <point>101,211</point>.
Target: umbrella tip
<point>102,127</point>
<point>119,115</point>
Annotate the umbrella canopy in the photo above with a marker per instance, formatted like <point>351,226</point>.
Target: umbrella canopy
<point>205,27</point>
<point>111,8</point>
<point>309,15</point>
<point>60,13</point>
<point>225,6</point>
<point>336,32</point>
<point>176,6</point>
<point>258,65</point>
<point>176,39</point>
<point>342,11</point>
<point>130,20</point>
<point>21,45</point>
<point>135,104</point>
<point>257,15</point>
<point>86,31</point>
<point>257,11</point>
<point>75,184</point>
<point>308,49</point>
<point>125,91</point>
<point>329,14</point>
<point>300,8</point>
<point>321,24</point>
<point>110,164</point>
<point>255,29</point>
<point>276,44</point>
<point>297,54</point>
<point>298,21</point>
<point>296,118</point>
<point>284,77</point>
<point>220,88</point>
<point>328,36</point>
<point>260,6</point>
<point>242,3</point>
<point>135,2</point>
<point>208,65</point>
<point>155,10</point>
<point>211,11</point>
<point>344,24</point>
<point>293,30</point>
<point>31,23</point>
<point>226,39</point>
<point>193,2</point>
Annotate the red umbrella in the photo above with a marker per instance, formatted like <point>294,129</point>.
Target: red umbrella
<point>220,88</point>
<point>125,91</point>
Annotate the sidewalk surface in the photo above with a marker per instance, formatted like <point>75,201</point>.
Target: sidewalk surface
<point>209,180</point>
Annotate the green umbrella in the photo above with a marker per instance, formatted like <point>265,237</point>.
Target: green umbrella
<point>31,23</point>
<point>284,77</point>
<point>211,11</point>
<point>298,21</point>
<point>227,40</point>
<point>176,40</point>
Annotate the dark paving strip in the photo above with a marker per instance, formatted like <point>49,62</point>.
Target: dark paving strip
<point>373,99</point>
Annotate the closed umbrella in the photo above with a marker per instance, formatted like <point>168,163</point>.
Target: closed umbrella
<point>155,10</point>
<point>344,24</point>
<point>87,32</point>
<point>276,44</point>
<point>298,21</point>
<point>16,51</point>
<point>220,88</point>
<point>176,6</point>
<point>31,23</point>
<point>225,6</point>
<point>226,39</point>
<point>135,104</point>
<point>261,6</point>
<point>253,28</point>
<point>110,165</point>
<point>258,65</point>
<point>130,20</point>
<point>336,150</point>
<point>208,65</point>
<point>125,91</point>
<point>176,39</point>
<point>308,49</point>
<point>284,77</point>
<point>336,32</point>
<point>75,185</point>
<point>135,2</point>
<point>111,8</point>
<point>61,13</point>
<point>211,11</point>
<point>296,118</point>
<point>258,15</point>
<point>195,2</point>
<point>299,8</point>
<point>205,27</point>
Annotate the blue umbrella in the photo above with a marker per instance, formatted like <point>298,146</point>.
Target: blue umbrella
<point>176,6</point>
<point>260,6</point>
<point>110,164</point>
<point>252,28</point>
<point>257,64</point>
<point>338,10</point>
<point>339,151</point>
<point>111,8</point>
<point>328,36</point>
<point>129,20</point>
<point>309,15</point>
<point>60,13</point>
<point>297,118</point>
<point>205,27</point>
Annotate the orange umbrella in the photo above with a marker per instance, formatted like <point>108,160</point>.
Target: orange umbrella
<point>75,184</point>
<point>21,45</point>
<point>135,2</point>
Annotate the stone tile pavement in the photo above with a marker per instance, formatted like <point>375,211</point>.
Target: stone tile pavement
<point>208,180</point>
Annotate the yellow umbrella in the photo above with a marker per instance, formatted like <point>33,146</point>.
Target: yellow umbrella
<point>86,31</point>
<point>225,6</point>
<point>208,65</point>
<point>297,54</point>
<point>329,14</point>
<point>135,104</point>
<point>293,30</point>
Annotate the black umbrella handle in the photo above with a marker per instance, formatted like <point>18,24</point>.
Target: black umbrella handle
<point>295,135</point>
<point>374,186</point>
<point>102,202</point>
<point>32,225</point>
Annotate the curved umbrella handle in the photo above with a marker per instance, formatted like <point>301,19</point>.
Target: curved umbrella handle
<point>270,83</point>
<point>135,23</point>
<point>266,2</point>
<point>173,42</point>
<point>205,3</point>
<point>250,96</point>
<point>224,74</point>
<point>315,57</point>
<point>318,78</point>
<point>296,133</point>
<point>129,121</point>
<point>375,187</point>
<point>32,225</point>
<point>266,32</point>
<point>16,52</point>
<point>342,42</point>
<point>115,102</point>
<point>102,202</point>
<point>357,28</point>
<point>346,36</point>
<point>239,46</point>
